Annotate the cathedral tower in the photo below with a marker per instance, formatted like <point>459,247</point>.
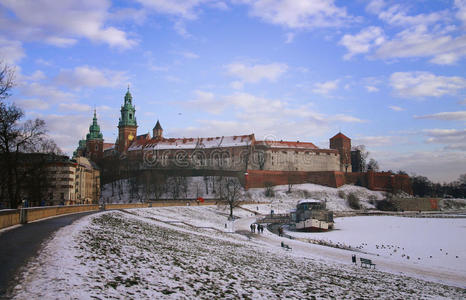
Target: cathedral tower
<point>157,131</point>
<point>94,141</point>
<point>342,143</point>
<point>127,126</point>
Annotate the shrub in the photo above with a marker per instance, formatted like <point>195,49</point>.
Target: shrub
<point>342,194</point>
<point>353,201</point>
<point>269,191</point>
<point>372,199</point>
<point>385,205</point>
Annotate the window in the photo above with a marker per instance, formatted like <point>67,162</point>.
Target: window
<point>130,116</point>
<point>62,196</point>
<point>96,147</point>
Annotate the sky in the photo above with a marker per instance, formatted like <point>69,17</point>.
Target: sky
<point>388,74</point>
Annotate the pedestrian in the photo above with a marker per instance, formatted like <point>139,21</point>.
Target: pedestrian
<point>254,228</point>
<point>251,226</point>
<point>262,228</point>
<point>353,259</point>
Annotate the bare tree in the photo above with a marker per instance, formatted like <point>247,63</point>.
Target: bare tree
<point>373,165</point>
<point>7,75</point>
<point>16,140</point>
<point>230,193</point>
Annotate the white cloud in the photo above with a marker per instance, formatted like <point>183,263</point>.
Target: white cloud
<point>85,76</point>
<point>190,55</point>
<point>417,41</point>
<point>374,141</point>
<point>11,52</point>
<point>33,104</point>
<point>461,13</point>
<point>62,22</point>
<point>305,14</point>
<point>74,107</point>
<point>396,108</point>
<point>262,116</point>
<point>452,139</point>
<point>425,84</point>
<point>45,93</point>
<point>447,116</point>
<point>324,88</point>
<point>397,15</point>
<point>182,8</point>
<point>237,85</point>
<point>208,102</point>
<point>256,73</point>
<point>375,6</point>
<point>363,42</point>
<point>371,89</point>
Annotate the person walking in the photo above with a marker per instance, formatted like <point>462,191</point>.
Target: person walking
<point>353,258</point>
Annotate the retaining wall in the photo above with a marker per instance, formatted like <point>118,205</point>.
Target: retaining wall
<point>9,217</point>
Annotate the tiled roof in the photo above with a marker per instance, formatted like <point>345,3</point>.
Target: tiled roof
<point>287,144</point>
<point>340,136</point>
<point>108,146</point>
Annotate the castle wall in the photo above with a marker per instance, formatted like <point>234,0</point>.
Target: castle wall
<point>301,160</point>
<point>375,181</point>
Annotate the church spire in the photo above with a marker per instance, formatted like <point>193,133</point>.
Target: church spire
<point>94,129</point>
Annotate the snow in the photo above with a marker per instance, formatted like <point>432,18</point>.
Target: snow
<point>186,253</point>
<point>195,143</point>
<point>431,242</point>
<point>283,201</point>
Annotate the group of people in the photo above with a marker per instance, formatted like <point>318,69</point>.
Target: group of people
<point>259,227</point>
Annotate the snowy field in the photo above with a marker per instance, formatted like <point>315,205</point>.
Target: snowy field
<point>162,253</point>
<point>432,242</point>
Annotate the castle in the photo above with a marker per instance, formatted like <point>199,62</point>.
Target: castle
<point>256,162</point>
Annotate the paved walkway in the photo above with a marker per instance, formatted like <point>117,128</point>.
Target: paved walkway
<point>20,244</point>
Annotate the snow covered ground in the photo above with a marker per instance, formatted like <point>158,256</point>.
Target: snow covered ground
<point>432,242</point>
<point>282,201</point>
<point>186,253</point>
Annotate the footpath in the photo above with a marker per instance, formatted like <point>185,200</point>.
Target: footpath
<point>18,245</point>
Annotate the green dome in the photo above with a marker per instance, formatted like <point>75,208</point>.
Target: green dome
<point>94,130</point>
<point>128,112</point>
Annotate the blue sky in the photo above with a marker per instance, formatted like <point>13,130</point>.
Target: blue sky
<point>389,74</point>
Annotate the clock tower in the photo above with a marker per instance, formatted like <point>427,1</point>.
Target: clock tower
<point>127,126</point>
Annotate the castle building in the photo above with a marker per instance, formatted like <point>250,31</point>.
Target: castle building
<point>264,160</point>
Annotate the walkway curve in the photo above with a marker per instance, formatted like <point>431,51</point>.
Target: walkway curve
<point>18,245</point>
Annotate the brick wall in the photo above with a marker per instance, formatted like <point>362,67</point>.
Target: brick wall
<point>373,180</point>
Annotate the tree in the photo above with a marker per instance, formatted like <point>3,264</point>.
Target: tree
<point>363,155</point>
<point>230,192</point>
<point>18,138</point>
<point>373,165</point>
<point>7,75</point>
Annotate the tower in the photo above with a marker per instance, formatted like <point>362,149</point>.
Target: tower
<point>94,141</point>
<point>342,143</point>
<point>127,126</point>
<point>157,131</point>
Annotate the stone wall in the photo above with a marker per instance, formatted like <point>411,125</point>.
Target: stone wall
<point>417,204</point>
<point>301,160</point>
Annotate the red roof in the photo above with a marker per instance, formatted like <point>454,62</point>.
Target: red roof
<point>108,145</point>
<point>340,136</point>
<point>287,144</point>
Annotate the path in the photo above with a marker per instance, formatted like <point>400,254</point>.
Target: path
<point>20,244</point>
